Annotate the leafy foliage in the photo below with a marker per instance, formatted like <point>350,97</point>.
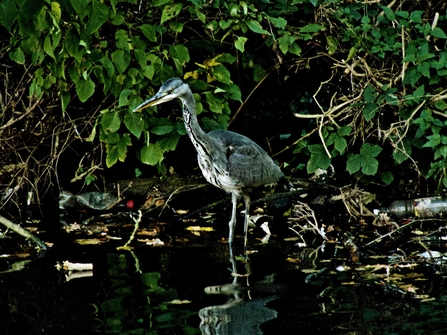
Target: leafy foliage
<point>386,64</point>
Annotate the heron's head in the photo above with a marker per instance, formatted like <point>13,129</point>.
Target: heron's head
<point>171,89</point>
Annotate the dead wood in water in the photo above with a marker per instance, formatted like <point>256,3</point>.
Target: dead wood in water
<point>19,230</point>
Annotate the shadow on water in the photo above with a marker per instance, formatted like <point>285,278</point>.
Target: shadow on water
<point>197,286</point>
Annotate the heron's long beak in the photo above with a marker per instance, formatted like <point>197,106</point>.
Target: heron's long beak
<point>158,98</point>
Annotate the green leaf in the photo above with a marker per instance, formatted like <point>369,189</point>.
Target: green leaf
<point>256,27</point>
<point>80,6</point>
<point>369,94</point>
<point>41,23</point>
<point>369,150</point>
<point>419,92</point>
<point>162,126</point>
<point>157,3</point>
<point>47,47</point>
<point>215,103</point>
<point>416,16</point>
<point>122,40</point>
<point>388,13</point>
<point>424,68</point>
<point>370,166</point>
<point>169,143</point>
<point>199,14</point>
<point>438,32</point>
<point>85,89</point>
<point>181,130</point>
<point>351,54</point>
<point>433,141</point>
<point>210,124</point>
<point>365,160</point>
<point>354,163</point>
<point>402,151</point>
<point>221,73</point>
<point>343,131</point>
<point>332,44</point>
<point>258,73</point>
<point>110,121</point>
<point>179,52</point>
<point>175,26</point>
<point>387,177</point>
<point>121,60</point>
<point>278,22</point>
<point>124,97</point>
<point>312,28</point>
<point>441,151</point>
<point>170,11</point>
<point>441,105</point>
<point>65,99</point>
<point>134,123</point>
<point>226,58</point>
<point>370,110</point>
<point>240,43</point>
<point>151,154</point>
<point>340,144</point>
<point>149,32</point>
<point>318,158</point>
<point>98,16</point>
<point>117,151</point>
<point>403,14</point>
<point>285,42</point>
<point>8,13</point>
<point>17,55</point>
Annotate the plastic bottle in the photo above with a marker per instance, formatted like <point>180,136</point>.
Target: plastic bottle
<point>432,207</point>
<point>91,200</point>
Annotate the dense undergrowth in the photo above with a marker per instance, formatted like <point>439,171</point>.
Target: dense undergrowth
<point>359,85</point>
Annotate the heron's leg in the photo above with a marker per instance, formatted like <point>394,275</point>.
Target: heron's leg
<point>247,217</point>
<point>232,223</point>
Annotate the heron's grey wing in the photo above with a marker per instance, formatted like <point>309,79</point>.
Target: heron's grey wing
<point>245,161</point>
<point>252,166</point>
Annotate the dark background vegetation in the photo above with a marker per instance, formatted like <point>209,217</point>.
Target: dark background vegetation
<point>359,85</point>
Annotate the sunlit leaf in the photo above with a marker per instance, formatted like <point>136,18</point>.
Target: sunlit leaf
<point>332,44</point>
<point>199,14</point>
<point>240,43</point>
<point>170,11</point>
<point>255,27</point>
<point>151,154</point>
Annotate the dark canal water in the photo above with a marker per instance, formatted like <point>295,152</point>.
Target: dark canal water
<point>188,286</point>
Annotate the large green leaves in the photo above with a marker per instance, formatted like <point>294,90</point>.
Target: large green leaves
<point>366,160</point>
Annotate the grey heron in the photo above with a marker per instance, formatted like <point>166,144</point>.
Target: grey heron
<point>227,159</point>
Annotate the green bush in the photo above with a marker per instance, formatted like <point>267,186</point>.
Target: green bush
<point>385,78</point>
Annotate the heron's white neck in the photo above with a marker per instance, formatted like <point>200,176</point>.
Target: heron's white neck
<point>195,132</point>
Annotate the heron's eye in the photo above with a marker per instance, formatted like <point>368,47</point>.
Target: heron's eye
<point>171,90</point>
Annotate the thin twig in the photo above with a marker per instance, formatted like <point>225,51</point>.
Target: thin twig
<point>251,93</point>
